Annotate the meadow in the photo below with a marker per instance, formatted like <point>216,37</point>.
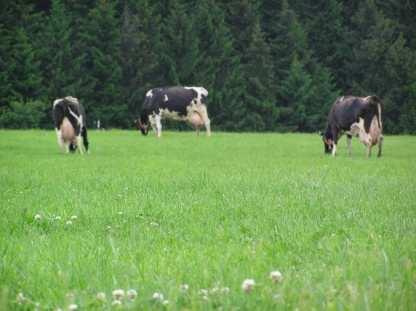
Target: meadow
<point>154,214</point>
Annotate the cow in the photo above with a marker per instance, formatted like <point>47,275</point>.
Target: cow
<point>181,103</point>
<point>355,116</point>
<point>70,124</point>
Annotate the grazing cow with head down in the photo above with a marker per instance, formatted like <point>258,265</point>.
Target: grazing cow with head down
<point>70,124</point>
<point>356,116</point>
<point>177,103</point>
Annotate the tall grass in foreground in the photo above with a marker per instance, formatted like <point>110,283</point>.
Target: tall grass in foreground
<point>151,215</point>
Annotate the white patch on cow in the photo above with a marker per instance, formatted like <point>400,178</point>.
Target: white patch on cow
<point>59,138</point>
<point>358,130</point>
<point>73,100</point>
<point>80,144</point>
<point>173,115</point>
<point>78,118</point>
<point>158,125</point>
<point>57,101</point>
<point>199,90</point>
<point>334,149</point>
<point>166,98</point>
<point>149,94</point>
<point>349,143</point>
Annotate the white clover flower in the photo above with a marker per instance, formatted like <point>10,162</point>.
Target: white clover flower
<point>69,223</point>
<point>20,298</point>
<point>158,296</point>
<point>58,218</point>
<point>116,303</point>
<point>58,309</point>
<point>203,292</point>
<point>184,287</point>
<point>165,302</point>
<point>101,297</point>
<point>248,285</point>
<point>154,224</point>
<point>72,307</point>
<point>276,276</point>
<point>74,217</point>
<point>118,294</point>
<point>70,295</point>
<point>38,217</point>
<point>131,294</point>
<point>214,290</point>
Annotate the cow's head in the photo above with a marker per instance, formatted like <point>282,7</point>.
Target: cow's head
<point>328,141</point>
<point>142,124</point>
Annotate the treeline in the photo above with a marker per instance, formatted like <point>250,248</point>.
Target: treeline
<point>268,65</point>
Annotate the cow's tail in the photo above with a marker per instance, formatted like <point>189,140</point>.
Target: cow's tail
<point>379,116</point>
<point>85,137</point>
<point>375,101</point>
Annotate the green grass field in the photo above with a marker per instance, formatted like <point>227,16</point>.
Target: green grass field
<point>208,212</point>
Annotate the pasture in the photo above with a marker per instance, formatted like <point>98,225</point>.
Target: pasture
<point>147,214</point>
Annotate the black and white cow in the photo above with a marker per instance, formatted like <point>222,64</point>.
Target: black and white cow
<point>70,124</point>
<point>356,116</point>
<point>177,103</point>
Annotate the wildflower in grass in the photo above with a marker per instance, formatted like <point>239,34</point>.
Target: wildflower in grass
<point>165,302</point>
<point>225,290</point>
<point>72,307</point>
<point>74,217</point>
<point>68,223</point>
<point>120,213</point>
<point>58,309</point>
<point>101,297</point>
<point>118,294</point>
<point>158,297</point>
<point>248,285</point>
<point>154,224</point>
<point>276,276</point>
<point>203,292</point>
<point>38,217</point>
<point>184,288</point>
<point>116,303</point>
<point>131,294</point>
<point>20,298</point>
<point>58,218</point>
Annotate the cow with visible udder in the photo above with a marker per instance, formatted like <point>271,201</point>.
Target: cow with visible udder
<point>355,116</point>
<point>70,124</point>
<point>177,103</point>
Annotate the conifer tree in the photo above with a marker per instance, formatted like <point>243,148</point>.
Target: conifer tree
<point>180,55</point>
<point>57,55</point>
<point>140,45</point>
<point>99,65</point>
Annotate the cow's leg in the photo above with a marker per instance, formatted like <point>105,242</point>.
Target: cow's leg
<point>380,145</point>
<point>369,151</point>
<point>60,140</point>
<point>158,125</point>
<point>349,137</point>
<point>80,144</point>
<point>202,110</point>
<point>335,136</point>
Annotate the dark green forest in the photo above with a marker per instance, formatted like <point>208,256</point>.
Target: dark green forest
<point>268,65</point>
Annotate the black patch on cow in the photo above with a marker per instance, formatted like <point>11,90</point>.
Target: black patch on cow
<point>178,99</point>
<point>62,110</point>
<point>348,110</point>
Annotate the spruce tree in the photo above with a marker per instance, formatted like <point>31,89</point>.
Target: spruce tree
<point>140,48</point>
<point>99,67</point>
<point>180,55</point>
<point>57,55</point>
